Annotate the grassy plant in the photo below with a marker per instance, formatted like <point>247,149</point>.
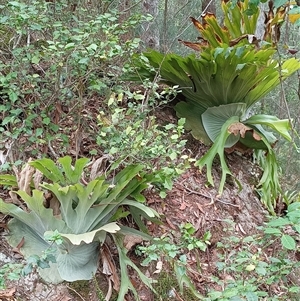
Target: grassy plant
<point>167,289</point>
<point>11,272</point>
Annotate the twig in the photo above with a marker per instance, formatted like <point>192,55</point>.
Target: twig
<point>207,196</point>
<point>72,289</point>
<point>203,12</point>
<point>52,150</point>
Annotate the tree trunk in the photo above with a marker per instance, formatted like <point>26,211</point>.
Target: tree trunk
<point>150,31</point>
<point>260,28</point>
<point>124,10</point>
<point>209,6</point>
<point>165,28</point>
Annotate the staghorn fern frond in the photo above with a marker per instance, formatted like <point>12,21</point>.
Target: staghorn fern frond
<point>231,71</point>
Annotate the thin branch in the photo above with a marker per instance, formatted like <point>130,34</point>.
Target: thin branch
<point>208,196</point>
<point>72,289</point>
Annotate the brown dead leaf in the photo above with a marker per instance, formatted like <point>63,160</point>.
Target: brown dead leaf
<point>171,225</point>
<point>200,208</point>
<point>252,39</point>
<point>14,198</point>
<point>109,268</point>
<point>194,46</point>
<point>18,247</point>
<point>25,177</point>
<point>3,225</point>
<point>7,293</point>
<point>183,206</point>
<point>54,204</point>
<point>197,24</point>
<point>99,166</point>
<point>131,240</point>
<point>37,179</point>
<point>256,136</point>
<point>159,266</point>
<point>239,128</point>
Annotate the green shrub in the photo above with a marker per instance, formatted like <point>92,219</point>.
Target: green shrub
<point>173,255</point>
<point>247,270</point>
<point>53,60</point>
<point>132,134</point>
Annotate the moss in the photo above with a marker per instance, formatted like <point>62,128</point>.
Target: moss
<point>80,288</point>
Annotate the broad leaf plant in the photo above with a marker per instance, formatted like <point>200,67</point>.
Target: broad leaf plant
<point>231,71</point>
<point>76,222</point>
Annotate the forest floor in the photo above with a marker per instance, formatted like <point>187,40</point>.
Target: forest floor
<point>190,201</point>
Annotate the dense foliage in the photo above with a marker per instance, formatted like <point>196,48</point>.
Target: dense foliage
<point>102,142</point>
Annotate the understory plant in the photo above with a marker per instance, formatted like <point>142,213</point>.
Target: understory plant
<point>257,267</point>
<point>231,71</point>
<point>130,132</point>
<point>171,255</point>
<point>54,58</point>
<point>72,217</point>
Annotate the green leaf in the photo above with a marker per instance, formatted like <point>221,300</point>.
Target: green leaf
<point>35,59</point>
<point>192,113</point>
<point>297,228</point>
<point>294,207</point>
<point>145,209</point>
<point>8,180</point>
<point>73,174</point>
<point>278,222</point>
<point>294,10</point>
<point>288,242</point>
<point>214,118</point>
<point>251,296</point>
<point>125,262</point>
<point>83,221</point>
<point>87,237</point>
<point>272,231</point>
<point>278,3</point>
<point>77,262</point>
<point>280,126</point>
<point>40,219</point>
<point>218,148</point>
<point>184,281</point>
<point>49,169</point>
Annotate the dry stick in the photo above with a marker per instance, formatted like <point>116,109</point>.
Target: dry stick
<point>283,98</point>
<point>72,289</point>
<point>207,196</point>
<point>203,12</point>
<point>131,7</point>
<point>52,150</point>
<point>282,95</point>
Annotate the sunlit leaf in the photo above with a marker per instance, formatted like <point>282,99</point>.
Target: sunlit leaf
<point>288,242</point>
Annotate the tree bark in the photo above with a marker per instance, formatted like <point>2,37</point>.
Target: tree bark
<point>260,28</point>
<point>124,10</point>
<point>150,31</point>
<point>209,6</point>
